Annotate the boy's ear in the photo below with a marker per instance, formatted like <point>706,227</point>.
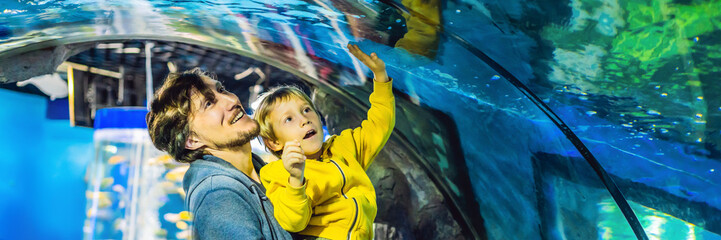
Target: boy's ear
<point>273,144</point>
<point>193,143</point>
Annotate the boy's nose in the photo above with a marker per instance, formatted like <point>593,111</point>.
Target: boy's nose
<point>304,121</point>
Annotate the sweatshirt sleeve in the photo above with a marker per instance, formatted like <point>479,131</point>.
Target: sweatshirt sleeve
<point>373,133</point>
<point>291,206</point>
<point>224,214</point>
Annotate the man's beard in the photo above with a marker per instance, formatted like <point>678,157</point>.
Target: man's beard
<point>242,138</point>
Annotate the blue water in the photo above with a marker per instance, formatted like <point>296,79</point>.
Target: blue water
<point>657,131</point>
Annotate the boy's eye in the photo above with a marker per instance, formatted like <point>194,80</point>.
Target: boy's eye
<point>288,119</point>
<point>307,110</point>
<point>207,104</point>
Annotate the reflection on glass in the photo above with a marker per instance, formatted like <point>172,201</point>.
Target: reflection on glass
<point>658,225</point>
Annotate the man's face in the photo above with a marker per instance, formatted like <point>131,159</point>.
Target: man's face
<point>295,119</point>
<point>218,119</point>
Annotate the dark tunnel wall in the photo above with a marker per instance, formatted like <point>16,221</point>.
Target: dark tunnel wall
<point>631,78</point>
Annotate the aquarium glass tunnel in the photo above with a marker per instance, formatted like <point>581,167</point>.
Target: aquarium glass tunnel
<point>515,119</point>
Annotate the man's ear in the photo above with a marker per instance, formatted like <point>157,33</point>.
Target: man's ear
<point>273,144</point>
<point>193,143</point>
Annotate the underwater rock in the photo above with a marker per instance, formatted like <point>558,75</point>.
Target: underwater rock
<point>408,198</point>
<point>21,66</point>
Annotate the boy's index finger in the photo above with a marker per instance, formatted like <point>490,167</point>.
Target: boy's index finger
<point>293,149</point>
<point>355,50</point>
<point>294,143</point>
<point>291,144</point>
<point>365,59</point>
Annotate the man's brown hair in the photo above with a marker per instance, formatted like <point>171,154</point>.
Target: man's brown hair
<point>170,111</point>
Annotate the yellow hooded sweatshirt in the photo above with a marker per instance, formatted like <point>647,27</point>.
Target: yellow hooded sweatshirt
<point>337,200</point>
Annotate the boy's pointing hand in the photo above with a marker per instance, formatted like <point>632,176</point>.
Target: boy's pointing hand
<point>294,162</point>
<point>373,62</point>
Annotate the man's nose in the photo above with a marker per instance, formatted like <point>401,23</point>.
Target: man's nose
<point>228,101</point>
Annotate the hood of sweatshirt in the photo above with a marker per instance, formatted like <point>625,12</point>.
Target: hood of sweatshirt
<point>211,165</point>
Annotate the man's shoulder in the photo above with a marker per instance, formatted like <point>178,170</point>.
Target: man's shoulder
<point>218,188</point>
<point>220,198</point>
<point>219,182</point>
<point>203,178</point>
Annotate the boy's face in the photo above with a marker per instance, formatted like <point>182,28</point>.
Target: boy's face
<point>220,122</point>
<point>295,119</point>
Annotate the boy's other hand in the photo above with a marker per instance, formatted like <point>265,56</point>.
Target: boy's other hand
<point>293,159</point>
<point>373,62</point>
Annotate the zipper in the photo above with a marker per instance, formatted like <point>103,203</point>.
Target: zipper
<point>355,217</point>
<point>262,199</point>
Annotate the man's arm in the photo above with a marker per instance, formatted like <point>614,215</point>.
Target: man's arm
<point>224,214</point>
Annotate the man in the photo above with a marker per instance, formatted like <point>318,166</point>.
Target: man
<point>197,121</point>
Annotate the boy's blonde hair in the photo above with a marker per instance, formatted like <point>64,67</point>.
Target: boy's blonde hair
<point>269,100</point>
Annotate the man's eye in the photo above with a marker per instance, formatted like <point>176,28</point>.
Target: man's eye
<point>221,89</point>
<point>207,104</point>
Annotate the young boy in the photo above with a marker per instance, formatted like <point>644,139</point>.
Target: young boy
<point>320,189</point>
